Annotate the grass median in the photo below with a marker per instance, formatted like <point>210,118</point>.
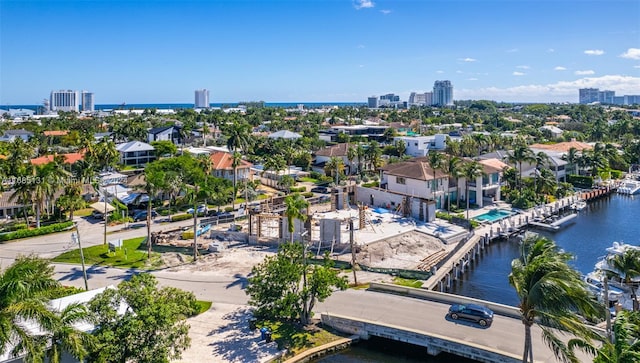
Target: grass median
<point>133,254</point>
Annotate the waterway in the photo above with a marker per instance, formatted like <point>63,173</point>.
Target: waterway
<point>612,218</point>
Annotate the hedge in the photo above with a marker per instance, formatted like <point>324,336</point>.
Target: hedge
<point>580,181</point>
<point>25,233</point>
<point>14,227</point>
<point>181,217</point>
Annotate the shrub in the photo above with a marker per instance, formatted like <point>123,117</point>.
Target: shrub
<point>14,227</point>
<point>228,209</point>
<point>181,217</point>
<point>307,194</point>
<point>579,181</point>
<point>371,184</point>
<point>25,233</point>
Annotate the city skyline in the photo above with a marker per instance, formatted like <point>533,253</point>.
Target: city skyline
<point>317,51</point>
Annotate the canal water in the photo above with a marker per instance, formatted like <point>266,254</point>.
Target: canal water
<point>612,218</point>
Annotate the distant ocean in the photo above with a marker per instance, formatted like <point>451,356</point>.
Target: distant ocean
<point>175,106</point>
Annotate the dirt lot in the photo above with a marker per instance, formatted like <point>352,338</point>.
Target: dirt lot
<point>405,251</point>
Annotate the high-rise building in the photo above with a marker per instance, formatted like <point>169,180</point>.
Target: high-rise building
<point>606,97</point>
<point>588,95</point>
<point>420,99</point>
<point>65,101</point>
<point>202,98</point>
<point>372,102</point>
<point>442,93</point>
<point>87,101</point>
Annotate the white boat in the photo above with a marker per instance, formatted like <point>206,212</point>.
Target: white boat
<point>629,186</point>
<point>595,284</point>
<point>619,248</point>
<point>579,205</point>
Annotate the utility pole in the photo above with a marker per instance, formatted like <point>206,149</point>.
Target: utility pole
<point>104,197</point>
<point>75,237</point>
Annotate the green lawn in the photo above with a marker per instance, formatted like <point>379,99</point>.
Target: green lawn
<point>307,179</point>
<point>132,255</point>
<point>203,306</point>
<point>406,282</point>
<point>85,212</point>
<point>295,338</point>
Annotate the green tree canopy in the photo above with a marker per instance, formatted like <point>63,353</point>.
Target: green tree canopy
<point>151,329</point>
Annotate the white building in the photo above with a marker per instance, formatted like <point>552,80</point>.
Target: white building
<point>87,101</point>
<point>202,98</point>
<point>136,153</point>
<point>420,145</point>
<point>65,101</point>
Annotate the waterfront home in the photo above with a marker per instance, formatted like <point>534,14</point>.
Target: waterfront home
<point>485,189</point>
<point>69,158</point>
<point>415,178</point>
<point>417,146</point>
<point>11,135</point>
<point>285,134</point>
<point>165,133</point>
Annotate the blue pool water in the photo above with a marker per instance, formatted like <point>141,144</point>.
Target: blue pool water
<point>493,215</point>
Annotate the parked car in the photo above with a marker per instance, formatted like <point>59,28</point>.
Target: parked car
<point>321,190</point>
<point>142,215</point>
<point>472,312</point>
<point>202,209</point>
<point>97,215</point>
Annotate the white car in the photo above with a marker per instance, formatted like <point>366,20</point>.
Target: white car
<point>202,208</point>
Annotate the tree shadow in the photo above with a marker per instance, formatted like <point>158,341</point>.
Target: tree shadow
<point>240,280</point>
<point>75,273</point>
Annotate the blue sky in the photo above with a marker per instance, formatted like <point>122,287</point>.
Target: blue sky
<point>160,51</point>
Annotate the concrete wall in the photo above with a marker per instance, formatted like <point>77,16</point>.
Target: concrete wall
<point>386,199</point>
<point>330,230</point>
<point>433,342</point>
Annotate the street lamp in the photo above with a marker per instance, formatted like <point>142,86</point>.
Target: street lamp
<point>75,237</point>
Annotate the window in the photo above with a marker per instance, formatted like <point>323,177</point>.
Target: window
<point>400,180</point>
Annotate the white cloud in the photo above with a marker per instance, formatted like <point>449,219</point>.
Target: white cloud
<point>584,73</point>
<point>518,74</point>
<point>360,65</point>
<point>513,50</point>
<point>360,46</point>
<point>559,68</point>
<point>631,53</point>
<point>594,52</point>
<point>638,66</point>
<point>467,59</point>
<point>523,67</point>
<point>459,72</point>
<point>472,79</point>
<point>564,91</point>
<point>439,72</point>
<point>363,4</point>
<point>550,50</point>
<point>385,12</point>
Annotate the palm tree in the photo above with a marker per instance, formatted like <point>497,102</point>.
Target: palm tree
<point>238,136</point>
<point>294,205</point>
<point>23,295</point>
<point>72,199</point>
<point>361,153</point>
<point>334,167</point>
<point>276,163</point>
<point>352,154</point>
<point>451,166</point>
<point>62,336</point>
<point>154,181</point>
<point>552,295</point>
<point>626,347</point>
<point>541,159</point>
<point>373,154</point>
<point>572,157</point>
<point>236,160</point>
<point>470,171</point>
<point>520,154</point>
<point>435,161</point>
<point>627,266</point>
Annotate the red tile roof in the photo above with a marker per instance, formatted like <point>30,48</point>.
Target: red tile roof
<point>224,161</point>
<point>68,158</point>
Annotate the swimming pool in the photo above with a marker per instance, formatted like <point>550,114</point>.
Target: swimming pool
<point>493,215</point>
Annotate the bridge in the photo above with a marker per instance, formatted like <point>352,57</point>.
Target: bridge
<point>413,319</point>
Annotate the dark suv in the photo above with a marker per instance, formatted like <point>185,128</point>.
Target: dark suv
<point>476,313</point>
<point>142,215</point>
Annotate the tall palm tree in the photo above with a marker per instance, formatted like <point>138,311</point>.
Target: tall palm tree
<point>541,159</point>
<point>236,160</point>
<point>72,199</point>
<point>572,157</point>
<point>62,336</point>
<point>520,154</point>
<point>238,136</point>
<point>334,167</point>
<point>154,182</point>
<point>274,162</point>
<point>294,205</point>
<point>470,171</point>
<point>627,266</point>
<point>552,295</point>
<point>23,295</point>
<point>435,160</point>
<point>451,166</point>
<point>361,153</point>
<point>352,154</point>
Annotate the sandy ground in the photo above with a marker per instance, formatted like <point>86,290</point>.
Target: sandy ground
<point>405,251</point>
<point>222,334</point>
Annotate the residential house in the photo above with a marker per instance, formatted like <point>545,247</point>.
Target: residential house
<point>553,131</point>
<point>415,178</point>
<point>285,134</point>
<point>223,166</point>
<point>366,132</point>
<point>165,133</point>
<point>486,188</point>
<point>136,153</point>
<point>69,158</point>
<point>11,135</point>
<point>335,151</point>
<point>418,146</point>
